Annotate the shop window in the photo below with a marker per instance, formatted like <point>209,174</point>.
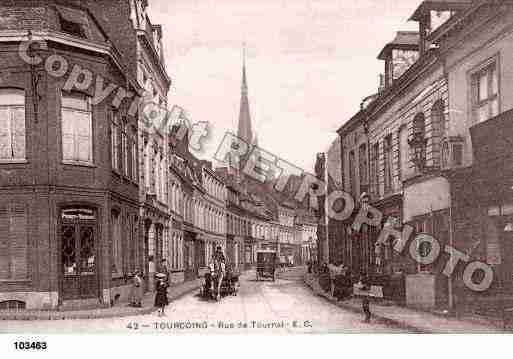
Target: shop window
<point>77,144</point>
<point>12,305</point>
<point>12,124</point>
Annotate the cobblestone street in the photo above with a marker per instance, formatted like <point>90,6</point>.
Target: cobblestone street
<point>266,307</point>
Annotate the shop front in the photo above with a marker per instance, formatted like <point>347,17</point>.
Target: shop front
<point>483,213</point>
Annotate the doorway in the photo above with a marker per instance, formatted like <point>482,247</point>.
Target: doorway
<point>79,258</point>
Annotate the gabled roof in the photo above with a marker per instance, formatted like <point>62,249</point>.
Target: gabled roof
<point>407,40</point>
<point>438,5</point>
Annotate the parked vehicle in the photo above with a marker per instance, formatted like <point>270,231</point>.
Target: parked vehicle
<point>266,264</point>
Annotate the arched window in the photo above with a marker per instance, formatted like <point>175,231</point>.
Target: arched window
<point>418,141</point>
<point>437,125</point>
<point>12,124</point>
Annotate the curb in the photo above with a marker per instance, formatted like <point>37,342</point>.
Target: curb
<point>89,314</point>
<point>377,318</point>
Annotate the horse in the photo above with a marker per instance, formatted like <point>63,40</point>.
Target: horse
<point>218,272</point>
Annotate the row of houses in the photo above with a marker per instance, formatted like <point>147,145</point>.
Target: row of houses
<point>431,149</point>
<point>89,191</point>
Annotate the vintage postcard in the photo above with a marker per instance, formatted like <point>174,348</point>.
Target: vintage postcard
<point>255,167</point>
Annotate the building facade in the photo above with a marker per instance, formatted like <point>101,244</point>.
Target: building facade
<point>69,223</point>
<point>418,149</point>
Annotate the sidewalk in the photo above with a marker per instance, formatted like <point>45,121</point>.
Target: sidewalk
<point>416,321</point>
<point>120,310</point>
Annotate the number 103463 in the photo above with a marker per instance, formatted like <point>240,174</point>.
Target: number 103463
<point>30,345</point>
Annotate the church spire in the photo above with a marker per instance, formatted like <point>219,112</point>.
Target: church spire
<point>244,128</point>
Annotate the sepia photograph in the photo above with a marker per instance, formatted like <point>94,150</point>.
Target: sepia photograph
<point>255,167</point>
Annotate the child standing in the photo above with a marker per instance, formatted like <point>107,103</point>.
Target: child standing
<point>161,299</point>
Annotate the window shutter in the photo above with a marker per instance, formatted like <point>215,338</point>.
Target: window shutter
<point>18,245</point>
<point>67,135</point>
<point>83,137</point>
<point>4,243</point>
<point>5,134</point>
<point>18,119</point>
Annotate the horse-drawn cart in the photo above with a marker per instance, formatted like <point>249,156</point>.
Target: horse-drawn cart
<point>229,285</point>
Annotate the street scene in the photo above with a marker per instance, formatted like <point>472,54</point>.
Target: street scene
<point>286,306</point>
<point>177,167</point>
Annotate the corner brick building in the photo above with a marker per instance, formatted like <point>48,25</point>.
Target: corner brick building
<point>65,190</point>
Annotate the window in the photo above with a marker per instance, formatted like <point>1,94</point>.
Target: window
<point>485,93</point>
<point>403,162</point>
<point>12,124</point>
<point>73,22</point>
<point>13,242</point>
<point>125,146</point>
<point>134,154</point>
<point>418,141</point>
<point>352,173</point>
<point>77,145</point>
<point>72,28</point>
<point>437,130</point>
<point>387,163</point>
<point>114,141</point>
<point>375,168</point>
<point>362,159</point>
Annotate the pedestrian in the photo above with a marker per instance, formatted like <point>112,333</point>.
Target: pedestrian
<point>161,299</point>
<point>364,286</point>
<point>162,268</point>
<point>137,290</point>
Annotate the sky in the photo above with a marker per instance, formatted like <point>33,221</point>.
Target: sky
<point>309,63</point>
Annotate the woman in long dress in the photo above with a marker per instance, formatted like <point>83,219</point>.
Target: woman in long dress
<point>161,299</point>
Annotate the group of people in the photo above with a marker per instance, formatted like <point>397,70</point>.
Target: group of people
<point>217,265</point>
<point>161,286</point>
<point>340,283</point>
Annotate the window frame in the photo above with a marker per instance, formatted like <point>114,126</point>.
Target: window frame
<point>474,76</point>
<point>388,175</point>
<point>114,139</point>
<point>10,108</point>
<point>89,111</point>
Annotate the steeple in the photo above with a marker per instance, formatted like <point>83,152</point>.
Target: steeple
<point>244,128</point>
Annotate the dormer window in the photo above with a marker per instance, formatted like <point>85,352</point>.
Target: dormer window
<point>73,22</point>
<point>72,28</point>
